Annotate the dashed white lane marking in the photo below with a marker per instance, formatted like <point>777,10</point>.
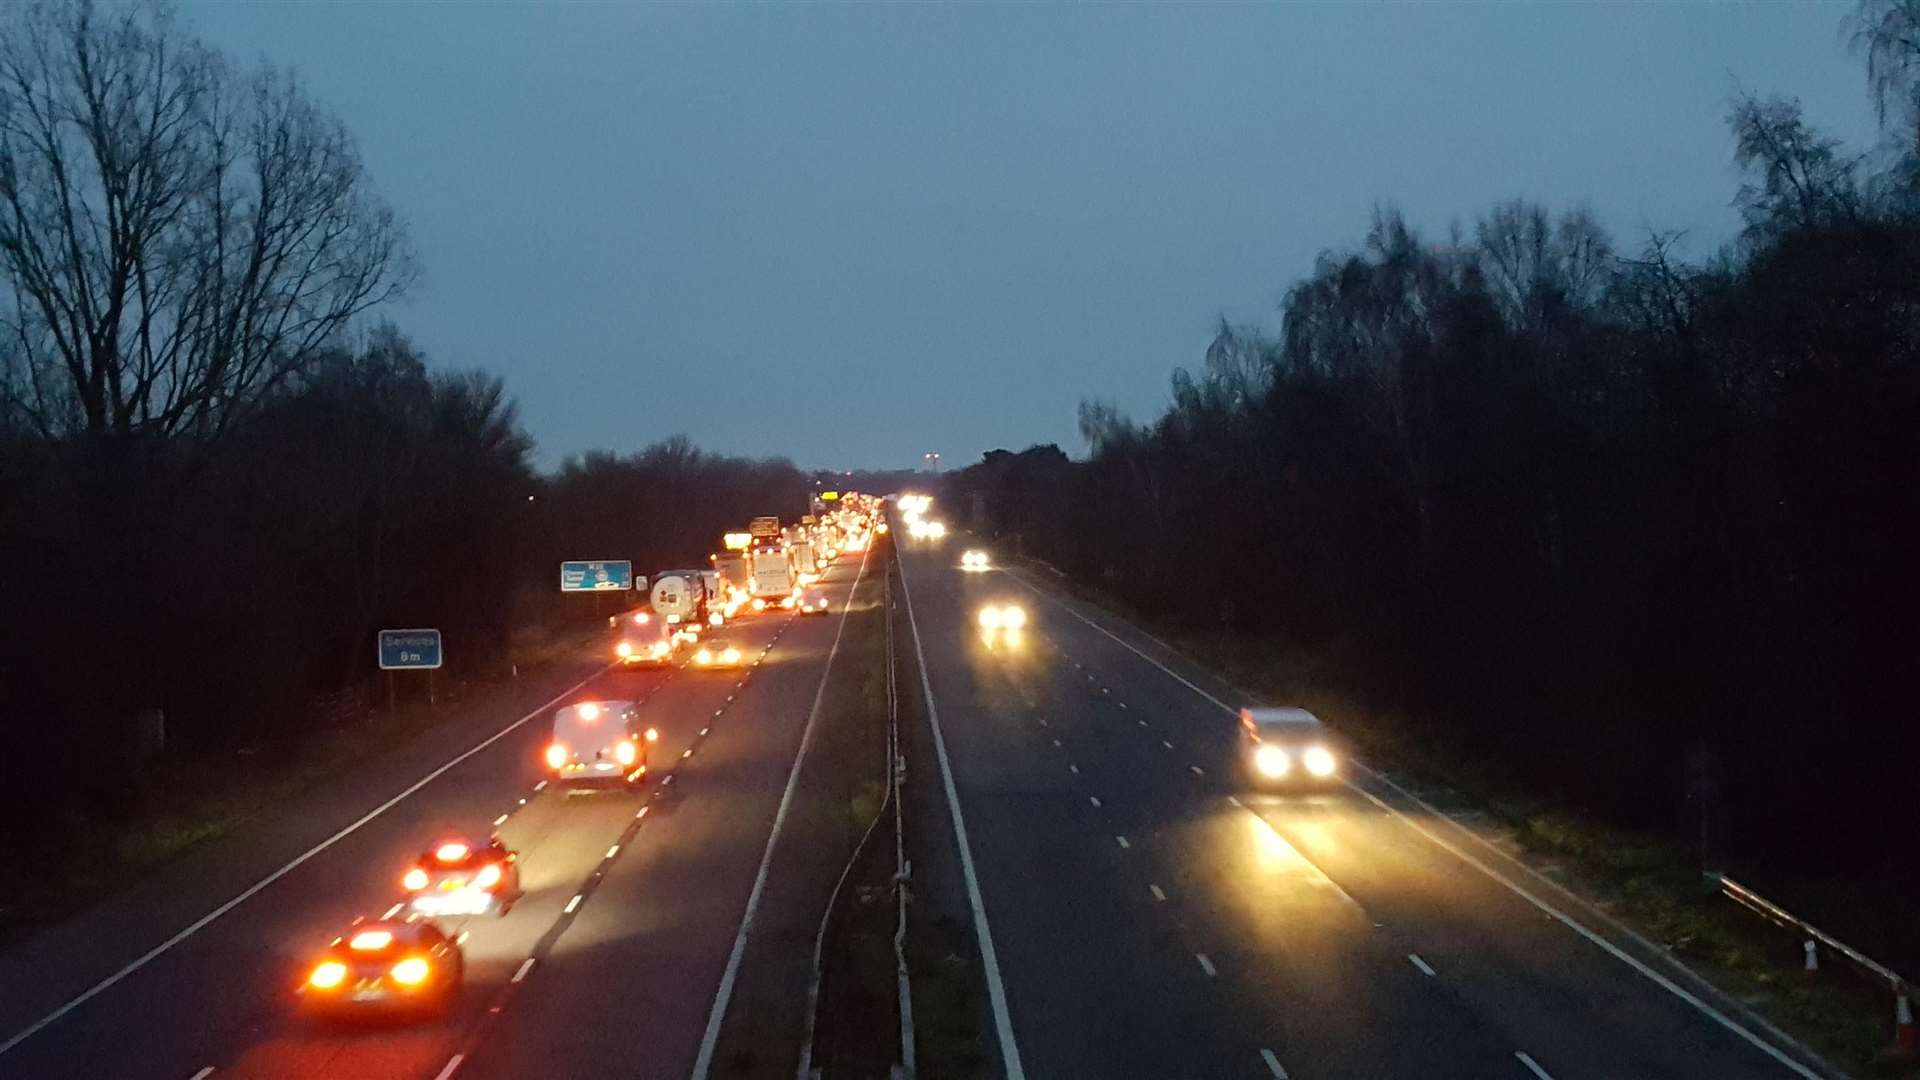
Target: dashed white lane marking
<point>717,712</point>
<point>1425,968</point>
<point>1123,841</point>
<point>1142,723</point>
<point>453,1063</point>
<point>1273,1065</point>
<point>1122,704</point>
<point>667,780</point>
<point>392,911</point>
<point>1532,1065</point>
<point>703,731</point>
<point>1157,894</point>
<point>1056,742</point>
<point>1095,800</point>
<point>499,821</point>
<point>1233,800</point>
<point>573,904</point>
<point>541,786</point>
<point>643,812</point>
<point>687,753</point>
<point>202,1074</point>
<point>1074,769</point>
<point>525,966</point>
<point>1043,721</point>
<point>1166,744</point>
<point>1104,690</point>
<point>523,802</point>
<point>612,851</point>
<point>1206,965</point>
<point>1197,770</point>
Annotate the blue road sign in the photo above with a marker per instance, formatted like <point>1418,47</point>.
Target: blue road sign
<point>409,649</point>
<point>596,576</point>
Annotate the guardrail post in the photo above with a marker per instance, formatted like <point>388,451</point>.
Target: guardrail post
<point>1813,956</point>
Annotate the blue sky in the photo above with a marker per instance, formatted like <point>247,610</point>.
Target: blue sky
<point>848,234</point>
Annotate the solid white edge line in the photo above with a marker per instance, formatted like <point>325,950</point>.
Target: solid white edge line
<point>453,1063</point>
<point>1532,1065</point>
<point>202,1074</point>
<point>703,1063</point>
<point>206,920</point>
<point>1552,912</point>
<point>1273,1065</point>
<point>989,958</point>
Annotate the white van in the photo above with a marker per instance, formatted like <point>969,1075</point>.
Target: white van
<point>599,744</point>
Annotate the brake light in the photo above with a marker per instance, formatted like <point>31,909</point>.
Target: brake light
<point>626,753</point>
<point>488,877</point>
<point>556,755</point>
<point>653,735</point>
<point>640,618</point>
<point>414,880</point>
<point>451,851</point>
<point>412,971</point>
<point>327,975</point>
<point>587,711</point>
<point>371,940</point>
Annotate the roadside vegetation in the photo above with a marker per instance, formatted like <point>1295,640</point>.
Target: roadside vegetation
<point>222,470</point>
<point>1615,538</point>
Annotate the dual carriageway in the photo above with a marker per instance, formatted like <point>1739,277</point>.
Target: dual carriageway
<point>1138,912</point>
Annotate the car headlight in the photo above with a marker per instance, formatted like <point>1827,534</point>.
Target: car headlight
<point>1013,616</point>
<point>989,618</point>
<point>1272,761</point>
<point>731,656</point>
<point>703,657</point>
<point>1319,761</point>
<point>624,649</point>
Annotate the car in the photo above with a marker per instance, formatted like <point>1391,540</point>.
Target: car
<point>463,876</point>
<point>642,639</point>
<point>975,560</point>
<point>1002,617</point>
<point>718,653</point>
<point>812,603</point>
<point>385,965</point>
<point>1289,746</point>
<point>598,744</point>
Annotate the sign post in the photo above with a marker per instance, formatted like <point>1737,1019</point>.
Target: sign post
<point>404,650</point>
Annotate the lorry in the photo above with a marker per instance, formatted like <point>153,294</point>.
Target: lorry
<point>680,597</point>
<point>772,575</point>
<point>736,575</point>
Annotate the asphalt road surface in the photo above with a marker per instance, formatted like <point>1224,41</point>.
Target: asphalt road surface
<point>1149,916</point>
<point>608,966</point>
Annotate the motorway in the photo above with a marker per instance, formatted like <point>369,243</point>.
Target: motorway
<point>1145,915</point>
<point>609,965</point>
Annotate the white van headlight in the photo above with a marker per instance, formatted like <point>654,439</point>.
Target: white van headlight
<point>1272,761</point>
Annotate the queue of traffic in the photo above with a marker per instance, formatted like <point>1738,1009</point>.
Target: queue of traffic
<point>405,962</point>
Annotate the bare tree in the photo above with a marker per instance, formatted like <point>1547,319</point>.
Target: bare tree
<point>175,240</point>
<point>1888,31</point>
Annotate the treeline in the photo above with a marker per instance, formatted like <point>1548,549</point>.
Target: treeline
<point>215,485</point>
<point>1567,510</point>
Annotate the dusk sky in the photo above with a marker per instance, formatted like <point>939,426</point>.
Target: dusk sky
<point>851,234</point>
